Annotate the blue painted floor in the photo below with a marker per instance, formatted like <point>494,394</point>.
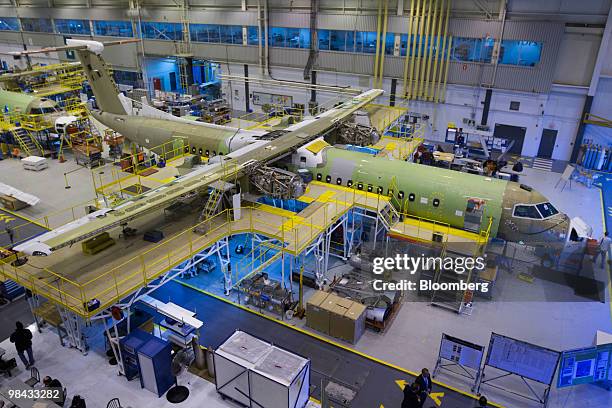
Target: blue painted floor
<point>213,281</point>
<point>374,383</point>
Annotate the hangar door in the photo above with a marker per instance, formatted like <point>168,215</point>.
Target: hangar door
<point>547,143</point>
<point>511,133</point>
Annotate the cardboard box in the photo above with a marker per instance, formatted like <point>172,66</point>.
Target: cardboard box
<point>339,309</point>
<point>317,317</point>
<point>353,325</point>
<point>11,203</point>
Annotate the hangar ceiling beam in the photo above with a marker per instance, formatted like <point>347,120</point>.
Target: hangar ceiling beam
<point>483,7</point>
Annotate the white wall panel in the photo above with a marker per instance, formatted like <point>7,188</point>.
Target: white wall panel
<point>560,110</point>
<point>577,55</point>
<point>606,68</point>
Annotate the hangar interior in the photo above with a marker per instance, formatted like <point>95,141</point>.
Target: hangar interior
<point>305,203</point>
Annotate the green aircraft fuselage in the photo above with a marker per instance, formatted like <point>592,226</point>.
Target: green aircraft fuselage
<point>151,133</point>
<point>445,196</point>
<point>26,103</point>
<point>437,194</point>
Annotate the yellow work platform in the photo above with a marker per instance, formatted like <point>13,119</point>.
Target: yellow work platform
<point>267,124</point>
<point>110,180</point>
<point>381,116</point>
<point>324,192</point>
<point>397,147</point>
<point>71,278</point>
<point>455,239</point>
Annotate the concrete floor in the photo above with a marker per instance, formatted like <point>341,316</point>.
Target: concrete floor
<point>97,382</point>
<point>50,186</point>
<point>17,310</point>
<point>413,339</point>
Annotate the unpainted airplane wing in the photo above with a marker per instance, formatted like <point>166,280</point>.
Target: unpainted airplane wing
<point>72,45</point>
<point>234,163</point>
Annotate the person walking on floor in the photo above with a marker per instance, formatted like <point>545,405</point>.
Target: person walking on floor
<point>411,396</point>
<point>22,338</point>
<point>604,246</point>
<point>482,402</point>
<point>11,234</point>
<point>424,381</point>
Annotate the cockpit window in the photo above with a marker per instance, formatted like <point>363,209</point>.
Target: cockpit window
<point>527,211</point>
<point>49,110</point>
<point>547,210</point>
<point>42,110</point>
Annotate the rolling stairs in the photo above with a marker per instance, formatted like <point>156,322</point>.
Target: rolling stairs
<point>447,299</point>
<point>27,144</point>
<point>213,203</point>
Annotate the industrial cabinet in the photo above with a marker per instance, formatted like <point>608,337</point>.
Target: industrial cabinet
<point>148,357</point>
<point>257,374</point>
<point>154,359</point>
<point>129,346</point>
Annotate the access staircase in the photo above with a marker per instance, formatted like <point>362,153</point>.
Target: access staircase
<point>458,300</point>
<point>388,215</point>
<point>445,298</point>
<point>27,143</point>
<point>260,257</point>
<point>213,203</point>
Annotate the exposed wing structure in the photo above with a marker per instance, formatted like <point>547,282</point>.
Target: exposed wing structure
<point>228,168</point>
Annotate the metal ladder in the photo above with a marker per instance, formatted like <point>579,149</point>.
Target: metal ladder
<point>27,143</point>
<point>211,207</point>
<point>246,266</point>
<point>73,325</point>
<point>388,216</point>
<point>451,300</point>
<point>213,202</point>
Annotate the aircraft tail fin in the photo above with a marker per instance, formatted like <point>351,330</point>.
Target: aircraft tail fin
<point>102,84</point>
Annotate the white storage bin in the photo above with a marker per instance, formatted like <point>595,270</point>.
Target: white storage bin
<point>253,372</point>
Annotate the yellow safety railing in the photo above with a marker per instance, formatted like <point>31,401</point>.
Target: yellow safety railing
<point>56,79</point>
<point>50,221</point>
<point>416,131</point>
<point>113,178</point>
<point>23,139</point>
<point>34,122</point>
<point>43,121</point>
<point>463,241</point>
<point>591,119</point>
<point>485,234</point>
<point>255,120</point>
<point>74,106</point>
<point>251,264</point>
<point>109,286</point>
<point>294,234</point>
<point>381,116</point>
<point>400,148</point>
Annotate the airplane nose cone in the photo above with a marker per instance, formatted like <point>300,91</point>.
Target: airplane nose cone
<point>561,229</point>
